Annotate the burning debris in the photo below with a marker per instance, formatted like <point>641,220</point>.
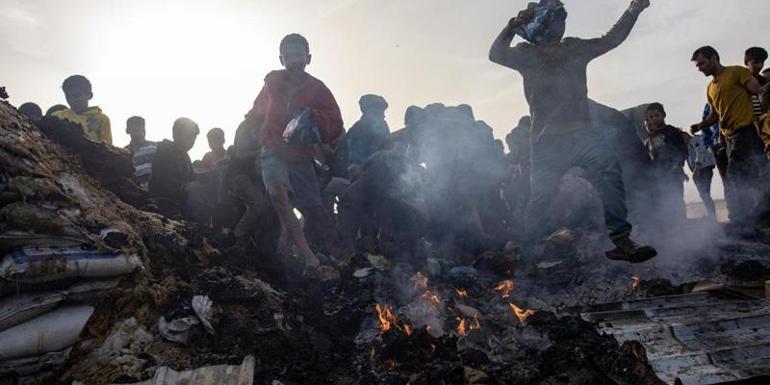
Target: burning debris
<point>422,311</point>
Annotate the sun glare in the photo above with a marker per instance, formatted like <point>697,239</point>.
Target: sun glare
<point>163,61</point>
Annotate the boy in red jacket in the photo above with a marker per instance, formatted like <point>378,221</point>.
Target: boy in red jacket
<point>288,169</point>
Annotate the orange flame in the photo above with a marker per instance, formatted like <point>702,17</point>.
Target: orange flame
<point>391,363</point>
<point>461,293</point>
<point>521,314</point>
<point>505,288</point>
<point>430,296</point>
<point>461,327</point>
<point>408,329</point>
<point>386,317</point>
<point>635,282</point>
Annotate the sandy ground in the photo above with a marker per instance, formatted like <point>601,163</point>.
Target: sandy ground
<point>697,210</point>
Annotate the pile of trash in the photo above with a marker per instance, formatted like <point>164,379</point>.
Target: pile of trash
<point>64,245</point>
<point>95,290</point>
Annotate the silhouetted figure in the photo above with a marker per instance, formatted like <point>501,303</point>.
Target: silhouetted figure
<point>216,139</point>
<point>555,85</point>
<point>668,151</point>
<point>288,169</point>
<point>369,133</point>
<point>730,97</point>
<point>95,124</point>
<point>54,109</point>
<point>142,150</point>
<point>32,111</point>
<point>172,173</point>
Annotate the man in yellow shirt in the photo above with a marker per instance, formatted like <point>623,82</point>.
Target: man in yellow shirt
<point>95,124</point>
<point>730,96</point>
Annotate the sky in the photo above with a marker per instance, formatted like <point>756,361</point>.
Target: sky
<point>206,60</point>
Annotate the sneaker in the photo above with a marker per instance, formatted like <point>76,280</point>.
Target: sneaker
<point>627,250</point>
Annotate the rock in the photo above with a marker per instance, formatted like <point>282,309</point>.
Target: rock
<point>378,262</point>
<point>474,376</point>
<point>363,273</point>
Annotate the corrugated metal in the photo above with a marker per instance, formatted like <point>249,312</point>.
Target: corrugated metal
<point>697,338</point>
<point>211,375</point>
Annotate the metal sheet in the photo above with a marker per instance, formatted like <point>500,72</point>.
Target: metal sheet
<point>210,375</point>
<point>699,338</point>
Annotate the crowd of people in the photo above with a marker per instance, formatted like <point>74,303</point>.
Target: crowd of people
<point>443,176</point>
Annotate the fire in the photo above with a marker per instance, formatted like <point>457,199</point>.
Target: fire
<point>386,317</point>
<point>522,315</point>
<point>461,326</point>
<point>635,282</point>
<point>461,293</point>
<point>430,296</point>
<point>389,321</point>
<point>391,363</point>
<point>475,323</point>
<point>420,281</point>
<point>505,288</point>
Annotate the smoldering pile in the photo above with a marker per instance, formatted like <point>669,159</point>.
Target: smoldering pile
<point>189,301</point>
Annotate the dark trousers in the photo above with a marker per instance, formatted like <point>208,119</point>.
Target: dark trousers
<point>552,157</point>
<point>703,184</point>
<point>746,169</point>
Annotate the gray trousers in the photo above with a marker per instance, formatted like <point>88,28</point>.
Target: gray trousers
<point>552,156</point>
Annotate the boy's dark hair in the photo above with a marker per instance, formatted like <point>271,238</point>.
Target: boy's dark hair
<point>707,51</point>
<point>30,109</point>
<point>216,132</point>
<point>294,38</point>
<point>134,121</point>
<point>184,125</point>
<point>756,54</point>
<point>656,107</point>
<point>414,116</point>
<point>75,81</point>
<point>55,108</point>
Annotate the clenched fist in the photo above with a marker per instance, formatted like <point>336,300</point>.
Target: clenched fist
<point>639,5</point>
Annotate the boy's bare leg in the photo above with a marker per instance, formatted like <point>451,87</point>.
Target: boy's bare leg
<point>279,194</point>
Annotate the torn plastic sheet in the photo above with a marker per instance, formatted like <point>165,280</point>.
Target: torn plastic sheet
<point>47,264</point>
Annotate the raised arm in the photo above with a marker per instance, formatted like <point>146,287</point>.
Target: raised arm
<point>619,32</point>
<point>501,51</point>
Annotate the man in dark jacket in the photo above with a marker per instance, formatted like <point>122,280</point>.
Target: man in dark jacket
<point>667,148</point>
<point>555,85</point>
<point>369,133</point>
<point>172,171</point>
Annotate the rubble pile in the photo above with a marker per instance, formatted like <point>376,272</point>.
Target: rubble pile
<point>94,290</point>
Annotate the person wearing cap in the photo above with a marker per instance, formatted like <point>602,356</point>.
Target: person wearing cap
<point>369,133</point>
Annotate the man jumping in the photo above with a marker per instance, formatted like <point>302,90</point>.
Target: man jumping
<point>563,136</point>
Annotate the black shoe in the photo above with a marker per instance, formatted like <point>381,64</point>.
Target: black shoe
<point>627,250</point>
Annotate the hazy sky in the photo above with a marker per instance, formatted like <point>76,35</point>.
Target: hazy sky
<point>206,59</point>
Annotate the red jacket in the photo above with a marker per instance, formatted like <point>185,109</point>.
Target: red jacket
<point>273,108</point>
